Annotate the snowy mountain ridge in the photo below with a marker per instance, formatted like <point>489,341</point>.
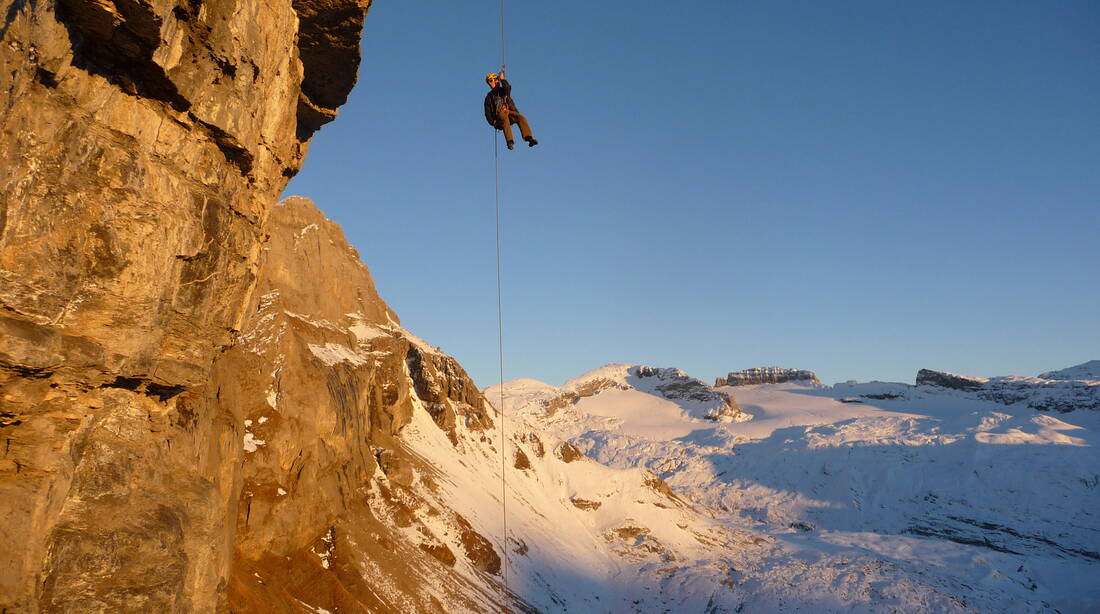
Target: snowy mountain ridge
<point>966,489</point>
<point>663,390</point>
<point>1067,391</point>
<point>1085,371</point>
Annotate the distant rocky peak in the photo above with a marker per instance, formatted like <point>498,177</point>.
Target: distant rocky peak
<point>1089,371</point>
<point>695,397</point>
<point>943,379</point>
<point>670,383</point>
<point>1068,391</point>
<point>677,386</point>
<point>767,375</point>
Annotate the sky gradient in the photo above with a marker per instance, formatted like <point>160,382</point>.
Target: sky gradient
<point>858,188</point>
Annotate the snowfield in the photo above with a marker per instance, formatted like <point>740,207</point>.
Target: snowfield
<point>875,497</point>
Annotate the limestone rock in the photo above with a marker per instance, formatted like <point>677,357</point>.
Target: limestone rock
<point>767,375</point>
<point>144,145</point>
<point>943,379</point>
<point>321,373</point>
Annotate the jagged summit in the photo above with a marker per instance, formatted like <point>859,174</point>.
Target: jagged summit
<point>767,375</point>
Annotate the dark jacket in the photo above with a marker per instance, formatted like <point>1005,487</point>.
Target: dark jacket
<point>499,96</point>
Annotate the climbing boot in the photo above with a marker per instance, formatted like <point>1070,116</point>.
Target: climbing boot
<point>531,142</point>
<point>511,144</point>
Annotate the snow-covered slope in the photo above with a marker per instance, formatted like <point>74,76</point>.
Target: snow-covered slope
<point>1085,371</point>
<point>582,537</point>
<point>876,495</point>
<point>1065,392</point>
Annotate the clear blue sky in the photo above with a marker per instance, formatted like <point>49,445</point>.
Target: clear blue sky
<point>858,188</point>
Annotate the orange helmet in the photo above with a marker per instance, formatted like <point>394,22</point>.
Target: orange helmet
<point>489,78</point>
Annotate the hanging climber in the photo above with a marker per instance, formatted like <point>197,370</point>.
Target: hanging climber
<point>501,111</point>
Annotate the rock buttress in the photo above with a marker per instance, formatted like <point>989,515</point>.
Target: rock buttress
<point>325,378</point>
<point>144,144</point>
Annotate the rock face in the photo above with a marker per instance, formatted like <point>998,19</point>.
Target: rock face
<point>144,145</point>
<point>767,375</point>
<point>943,379</point>
<point>324,378</point>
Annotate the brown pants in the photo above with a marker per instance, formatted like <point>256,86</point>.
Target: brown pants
<point>506,118</point>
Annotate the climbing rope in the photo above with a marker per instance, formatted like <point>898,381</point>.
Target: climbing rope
<point>503,41</point>
<point>500,351</point>
<point>500,332</point>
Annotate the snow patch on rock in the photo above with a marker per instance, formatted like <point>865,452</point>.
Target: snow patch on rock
<point>251,442</point>
<point>334,353</point>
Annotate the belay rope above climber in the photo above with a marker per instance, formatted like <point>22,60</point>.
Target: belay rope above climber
<point>500,335</point>
<point>501,113</point>
<point>500,350</point>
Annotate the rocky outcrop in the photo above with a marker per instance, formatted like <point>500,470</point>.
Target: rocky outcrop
<point>567,453</point>
<point>144,145</point>
<point>943,379</point>
<point>1055,394</point>
<point>299,474</point>
<point>767,375</point>
<point>324,379</point>
<point>675,385</point>
<point>587,389</point>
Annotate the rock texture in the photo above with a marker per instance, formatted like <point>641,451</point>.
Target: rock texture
<point>144,145</point>
<point>322,380</point>
<point>943,379</point>
<point>767,375</point>
<point>675,385</point>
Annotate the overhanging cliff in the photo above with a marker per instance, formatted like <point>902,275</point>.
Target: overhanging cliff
<point>144,145</point>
